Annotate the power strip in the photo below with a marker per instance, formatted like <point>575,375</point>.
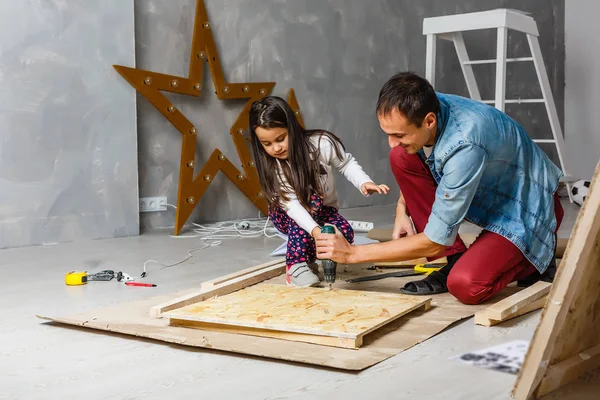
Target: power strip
<point>361,226</point>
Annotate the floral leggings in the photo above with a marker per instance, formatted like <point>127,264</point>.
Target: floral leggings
<point>301,245</point>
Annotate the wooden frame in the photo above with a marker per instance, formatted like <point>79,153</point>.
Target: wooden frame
<point>150,84</point>
<point>566,343</point>
<point>296,317</point>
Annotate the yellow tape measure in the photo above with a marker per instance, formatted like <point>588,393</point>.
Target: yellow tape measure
<point>76,278</point>
<point>426,268</point>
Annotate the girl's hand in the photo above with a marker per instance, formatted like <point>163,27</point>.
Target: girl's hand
<point>370,188</point>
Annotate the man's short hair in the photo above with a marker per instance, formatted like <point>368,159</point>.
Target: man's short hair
<point>410,94</point>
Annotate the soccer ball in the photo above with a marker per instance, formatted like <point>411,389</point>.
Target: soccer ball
<point>579,191</point>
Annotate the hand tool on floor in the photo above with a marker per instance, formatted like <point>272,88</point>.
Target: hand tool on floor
<point>421,269</point>
<point>140,284</point>
<point>329,266</point>
<point>74,278</point>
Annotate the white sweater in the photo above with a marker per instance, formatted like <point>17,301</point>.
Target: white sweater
<point>348,166</point>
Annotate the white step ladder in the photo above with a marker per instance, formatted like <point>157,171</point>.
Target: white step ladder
<point>451,27</point>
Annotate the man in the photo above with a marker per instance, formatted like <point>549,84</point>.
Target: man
<point>458,159</point>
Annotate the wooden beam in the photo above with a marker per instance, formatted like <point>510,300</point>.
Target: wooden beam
<point>410,263</point>
<point>512,304</point>
<point>227,287</point>
<point>481,318</point>
<point>570,369</point>
<point>209,285</point>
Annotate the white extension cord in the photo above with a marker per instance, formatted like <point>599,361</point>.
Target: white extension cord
<point>253,227</point>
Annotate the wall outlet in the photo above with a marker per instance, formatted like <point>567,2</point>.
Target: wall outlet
<point>361,226</point>
<point>148,204</point>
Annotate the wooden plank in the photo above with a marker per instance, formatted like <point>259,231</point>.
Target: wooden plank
<point>208,285</point>
<point>570,369</point>
<point>482,318</point>
<point>410,263</point>
<point>346,343</point>
<point>570,322</point>
<point>510,305</point>
<point>220,290</point>
<point>314,311</point>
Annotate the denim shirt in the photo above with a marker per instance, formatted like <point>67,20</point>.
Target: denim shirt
<point>490,173</point>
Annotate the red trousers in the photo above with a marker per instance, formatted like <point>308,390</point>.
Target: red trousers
<point>489,264</point>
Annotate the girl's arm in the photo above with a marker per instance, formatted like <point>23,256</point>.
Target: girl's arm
<point>347,165</point>
<point>296,211</point>
<point>302,217</point>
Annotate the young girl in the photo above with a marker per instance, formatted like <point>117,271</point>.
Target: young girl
<point>295,169</point>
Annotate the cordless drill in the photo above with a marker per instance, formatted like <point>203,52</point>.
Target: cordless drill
<point>329,266</point>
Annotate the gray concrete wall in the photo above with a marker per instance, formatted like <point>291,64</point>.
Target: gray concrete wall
<point>68,151</point>
<point>582,98</point>
<point>336,54</point>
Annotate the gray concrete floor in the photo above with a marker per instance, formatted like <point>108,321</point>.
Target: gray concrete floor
<point>42,361</point>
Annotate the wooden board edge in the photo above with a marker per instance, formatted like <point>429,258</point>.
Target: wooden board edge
<point>332,341</point>
<point>425,304</point>
<point>510,305</point>
<point>569,370</point>
<point>220,290</point>
<point>481,318</point>
<point>410,263</point>
<point>207,285</point>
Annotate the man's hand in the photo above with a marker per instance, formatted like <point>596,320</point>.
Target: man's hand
<point>334,247</point>
<point>402,226</point>
<point>370,188</point>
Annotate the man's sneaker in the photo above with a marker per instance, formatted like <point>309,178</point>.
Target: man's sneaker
<point>301,275</point>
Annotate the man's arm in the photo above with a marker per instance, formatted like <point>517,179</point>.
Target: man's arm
<point>406,248</point>
<point>462,173</point>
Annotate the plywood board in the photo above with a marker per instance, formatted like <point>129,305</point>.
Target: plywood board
<point>570,322</point>
<point>132,319</point>
<point>339,313</point>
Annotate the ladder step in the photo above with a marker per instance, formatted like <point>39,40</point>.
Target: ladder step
<point>512,101</point>
<point>544,140</point>
<point>568,178</point>
<point>493,61</point>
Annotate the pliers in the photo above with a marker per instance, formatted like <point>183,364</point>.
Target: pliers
<point>420,269</point>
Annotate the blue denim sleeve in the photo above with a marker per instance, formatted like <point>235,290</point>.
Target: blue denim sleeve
<point>461,174</point>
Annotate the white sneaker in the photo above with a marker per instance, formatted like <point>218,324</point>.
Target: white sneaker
<point>301,275</point>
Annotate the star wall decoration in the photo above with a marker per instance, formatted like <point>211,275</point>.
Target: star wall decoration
<point>150,84</point>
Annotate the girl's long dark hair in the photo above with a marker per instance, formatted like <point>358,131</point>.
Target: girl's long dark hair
<point>302,168</point>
